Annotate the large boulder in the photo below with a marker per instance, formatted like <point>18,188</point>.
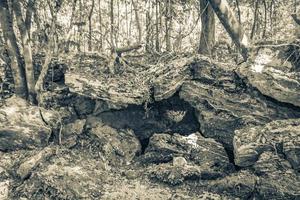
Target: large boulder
<point>240,185</point>
<point>194,148</point>
<point>136,85</point>
<point>220,112</point>
<point>118,147</point>
<point>282,136</point>
<point>273,77</point>
<point>25,126</point>
<point>224,103</point>
<point>185,158</point>
<point>169,77</point>
<point>65,176</point>
<point>277,179</point>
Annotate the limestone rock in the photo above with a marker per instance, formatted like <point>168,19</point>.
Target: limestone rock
<point>175,175</point>
<point>29,164</point>
<point>134,86</point>
<point>222,75</point>
<point>83,106</point>
<point>277,179</point>
<point>206,154</point>
<point>4,189</point>
<point>241,184</point>
<point>21,125</point>
<point>221,111</point>
<point>118,94</point>
<point>280,136</point>
<point>179,162</point>
<point>117,146</point>
<point>67,176</point>
<point>71,131</point>
<point>170,77</point>
<point>272,78</point>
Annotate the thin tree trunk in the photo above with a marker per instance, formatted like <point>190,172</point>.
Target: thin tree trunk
<point>127,21</point>
<point>148,48</point>
<point>81,25</point>
<point>13,50</point>
<point>90,25</point>
<point>137,19</point>
<point>254,20</point>
<point>265,18</point>
<point>117,32</point>
<point>69,32</point>
<point>207,38</point>
<point>27,52</point>
<point>112,26</point>
<point>157,47</point>
<point>231,25</point>
<point>136,45</point>
<point>100,26</point>
<point>39,86</point>
<point>168,25</point>
<point>239,11</point>
<point>29,15</point>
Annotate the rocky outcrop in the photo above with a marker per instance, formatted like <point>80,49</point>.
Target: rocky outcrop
<point>169,77</point>
<point>134,86</point>
<point>25,126</point>
<point>221,112</point>
<point>280,136</point>
<point>273,77</point>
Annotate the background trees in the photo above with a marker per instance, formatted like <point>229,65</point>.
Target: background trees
<point>117,26</point>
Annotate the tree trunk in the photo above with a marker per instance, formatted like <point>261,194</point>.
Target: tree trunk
<point>239,11</point>
<point>157,47</point>
<point>265,19</point>
<point>112,26</point>
<point>90,25</point>
<point>254,20</point>
<point>29,14</point>
<point>168,24</point>
<point>231,25</point>
<point>207,38</point>
<point>100,27</point>
<point>137,19</point>
<point>69,33</point>
<point>13,50</point>
<point>39,86</point>
<point>27,52</point>
<point>148,29</point>
<point>296,19</point>
<point>81,26</point>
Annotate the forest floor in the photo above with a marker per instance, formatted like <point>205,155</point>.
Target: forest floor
<point>178,127</point>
